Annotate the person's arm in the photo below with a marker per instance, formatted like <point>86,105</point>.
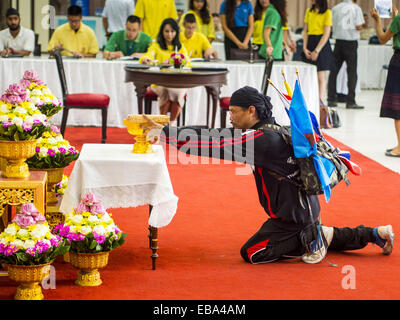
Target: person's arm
<point>383,37</point>
<point>321,43</point>
<point>228,32</point>
<point>267,39</point>
<point>305,42</point>
<point>249,32</point>
<point>105,24</point>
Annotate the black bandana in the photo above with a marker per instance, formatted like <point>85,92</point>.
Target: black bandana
<point>248,96</point>
<point>12,12</point>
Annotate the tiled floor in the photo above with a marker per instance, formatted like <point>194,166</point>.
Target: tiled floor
<point>364,131</point>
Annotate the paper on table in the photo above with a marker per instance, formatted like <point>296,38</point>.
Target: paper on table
<point>384,8</point>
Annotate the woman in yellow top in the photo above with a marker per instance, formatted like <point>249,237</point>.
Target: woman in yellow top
<point>259,14</point>
<point>169,99</point>
<point>316,47</point>
<point>204,20</point>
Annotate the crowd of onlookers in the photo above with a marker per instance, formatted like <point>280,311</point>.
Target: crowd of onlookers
<point>151,30</point>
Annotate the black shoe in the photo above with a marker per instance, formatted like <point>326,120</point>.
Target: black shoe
<point>354,106</point>
<point>332,104</point>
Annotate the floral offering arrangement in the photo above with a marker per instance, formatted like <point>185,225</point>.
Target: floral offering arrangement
<point>60,187</point>
<point>20,119</point>
<point>28,240</point>
<point>52,151</point>
<point>177,59</point>
<point>90,228</point>
<point>40,95</point>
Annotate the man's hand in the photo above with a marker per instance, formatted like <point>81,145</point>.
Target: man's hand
<point>77,54</point>
<point>395,12</point>
<point>116,55</point>
<point>374,14</point>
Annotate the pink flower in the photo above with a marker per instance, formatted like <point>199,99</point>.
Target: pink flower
<point>23,220</point>
<point>32,76</point>
<point>28,209</point>
<point>10,250</point>
<point>25,83</point>
<point>26,126</point>
<point>54,129</point>
<point>7,124</point>
<point>37,149</point>
<point>51,153</point>
<point>90,199</point>
<point>82,208</point>
<point>97,208</point>
<point>15,90</point>
<point>62,150</point>
<point>31,251</point>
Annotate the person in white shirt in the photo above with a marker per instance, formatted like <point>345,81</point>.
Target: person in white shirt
<point>347,22</point>
<point>115,14</point>
<point>16,39</point>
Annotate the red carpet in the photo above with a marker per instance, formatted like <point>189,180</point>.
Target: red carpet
<point>218,211</point>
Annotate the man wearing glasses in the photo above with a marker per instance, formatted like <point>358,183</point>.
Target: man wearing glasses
<point>74,38</point>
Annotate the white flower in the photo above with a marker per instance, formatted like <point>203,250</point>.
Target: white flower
<point>46,91</point>
<point>77,219</point>
<point>39,116</point>
<point>72,229</point>
<point>20,110</point>
<point>10,230</point>
<point>23,233</point>
<point>110,228</point>
<point>47,99</point>
<point>17,121</point>
<point>43,151</point>
<point>29,244</point>
<point>93,218</point>
<point>29,119</point>
<point>4,118</point>
<point>36,92</point>
<point>4,108</point>
<point>52,140</point>
<point>106,218</point>
<point>86,229</point>
<point>99,230</point>
<point>18,243</point>
<point>38,233</point>
<point>35,100</point>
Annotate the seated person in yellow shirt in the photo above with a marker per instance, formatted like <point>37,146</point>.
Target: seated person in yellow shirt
<point>129,42</point>
<point>195,43</point>
<point>74,38</point>
<point>169,99</point>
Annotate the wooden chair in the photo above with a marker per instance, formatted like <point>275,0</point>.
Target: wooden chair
<point>150,96</point>
<point>224,101</point>
<point>81,100</point>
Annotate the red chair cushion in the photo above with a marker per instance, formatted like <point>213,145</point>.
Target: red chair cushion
<point>88,100</point>
<point>150,94</point>
<point>224,102</point>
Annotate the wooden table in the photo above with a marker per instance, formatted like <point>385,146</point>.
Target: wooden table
<point>211,78</point>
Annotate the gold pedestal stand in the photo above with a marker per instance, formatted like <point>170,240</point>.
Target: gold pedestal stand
<point>14,192</point>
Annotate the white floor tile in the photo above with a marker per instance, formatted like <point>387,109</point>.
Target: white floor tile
<point>364,131</point>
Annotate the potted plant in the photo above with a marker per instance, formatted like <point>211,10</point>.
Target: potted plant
<point>40,94</point>
<point>52,154</point>
<point>27,249</point>
<point>21,124</point>
<point>92,234</point>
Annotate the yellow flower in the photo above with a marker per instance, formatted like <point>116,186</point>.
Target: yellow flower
<point>32,227</point>
<point>86,214</point>
<point>10,238</point>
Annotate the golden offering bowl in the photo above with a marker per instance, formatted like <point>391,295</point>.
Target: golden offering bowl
<point>139,127</point>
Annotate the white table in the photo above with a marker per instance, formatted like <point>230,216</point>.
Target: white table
<point>102,76</point>
<point>122,179</point>
<point>371,75</point>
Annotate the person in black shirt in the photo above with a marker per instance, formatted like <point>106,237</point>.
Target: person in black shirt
<point>293,229</point>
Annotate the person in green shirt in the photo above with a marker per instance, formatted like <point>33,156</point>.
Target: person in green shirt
<point>275,19</point>
<point>129,42</point>
<point>390,107</point>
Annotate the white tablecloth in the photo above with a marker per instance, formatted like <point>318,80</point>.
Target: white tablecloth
<point>102,76</point>
<point>122,179</point>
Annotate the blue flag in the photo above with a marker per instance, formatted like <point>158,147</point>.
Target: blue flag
<point>303,126</point>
